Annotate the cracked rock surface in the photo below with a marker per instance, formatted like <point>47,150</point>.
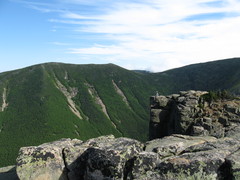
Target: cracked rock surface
<point>99,158</point>
<point>46,161</point>
<point>107,157</point>
<point>190,114</point>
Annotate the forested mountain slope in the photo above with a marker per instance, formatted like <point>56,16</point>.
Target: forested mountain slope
<point>50,101</point>
<point>215,75</point>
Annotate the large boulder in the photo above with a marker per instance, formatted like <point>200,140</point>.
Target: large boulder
<point>73,154</point>
<point>45,161</point>
<point>189,157</point>
<point>175,144</point>
<point>105,157</point>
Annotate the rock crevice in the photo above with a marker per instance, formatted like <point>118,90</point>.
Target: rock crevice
<point>107,157</point>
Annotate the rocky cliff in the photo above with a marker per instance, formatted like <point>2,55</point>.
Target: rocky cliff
<point>213,152</point>
<point>196,113</point>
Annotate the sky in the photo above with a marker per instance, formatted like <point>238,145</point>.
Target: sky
<point>152,35</point>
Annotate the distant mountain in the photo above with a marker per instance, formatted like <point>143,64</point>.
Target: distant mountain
<point>142,71</point>
<point>214,75</point>
<point>50,101</point>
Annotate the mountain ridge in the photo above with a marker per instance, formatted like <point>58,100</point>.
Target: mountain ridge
<point>50,101</point>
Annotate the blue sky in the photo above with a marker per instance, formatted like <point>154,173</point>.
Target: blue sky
<point>138,34</point>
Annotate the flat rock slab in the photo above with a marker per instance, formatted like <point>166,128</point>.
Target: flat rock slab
<point>175,144</point>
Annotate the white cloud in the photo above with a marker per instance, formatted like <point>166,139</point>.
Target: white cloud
<point>156,35</point>
<point>71,15</point>
<point>60,43</point>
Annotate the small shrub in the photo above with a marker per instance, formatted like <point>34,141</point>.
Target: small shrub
<point>217,95</point>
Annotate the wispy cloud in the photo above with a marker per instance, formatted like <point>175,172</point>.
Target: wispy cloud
<point>152,34</point>
<point>60,43</point>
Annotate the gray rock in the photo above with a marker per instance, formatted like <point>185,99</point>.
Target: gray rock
<point>104,157</point>
<point>183,93</point>
<point>231,167</point>
<point>144,163</point>
<point>45,161</point>
<point>231,108</point>
<point>207,120</point>
<point>181,99</point>
<point>233,131</point>
<point>187,111</point>
<point>175,144</point>
<point>155,115</point>
<point>114,160</point>
<point>175,96</point>
<point>217,130</point>
<point>198,131</point>
<point>207,159</point>
<point>162,101</point>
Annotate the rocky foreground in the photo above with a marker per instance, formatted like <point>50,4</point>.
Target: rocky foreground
<point>210,148</point>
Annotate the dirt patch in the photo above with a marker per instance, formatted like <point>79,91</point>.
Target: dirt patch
<point>119,91</point>
<point>4,99</point>
<point>69,95</point>
<point>92,91</point>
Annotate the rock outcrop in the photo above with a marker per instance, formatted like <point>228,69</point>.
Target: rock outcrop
<point>106,157</point>
<point>99,158</point>
<point>188,113</point>
<point>213,152</point>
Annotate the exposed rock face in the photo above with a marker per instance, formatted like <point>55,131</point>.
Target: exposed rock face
<point>196,157</point>
<point>100,158</point>
<point>45,161</point>
<point>171,157</point>
<point>187,113</point>
<point>106,157</point>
